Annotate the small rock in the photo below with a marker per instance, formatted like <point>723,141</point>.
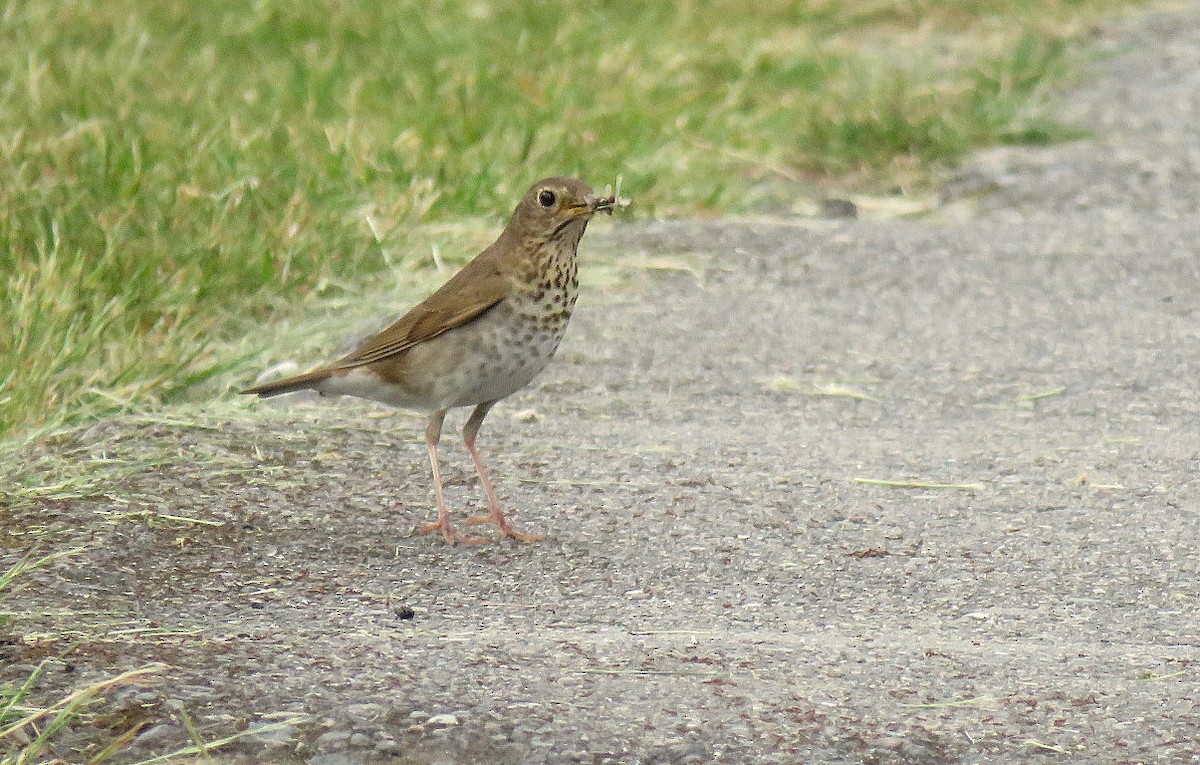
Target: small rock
<point>333,739</point>
<point>838,208</point>
<point>441,721</point>
<point>527,415</point>
<point>276,736</point>
<point>405,612</point>
<point>364,711</point>
<point>196,692</point>
<point>360,740</point>
<point>388,746</point>
<point>334,759</point>
<point>158,733</point>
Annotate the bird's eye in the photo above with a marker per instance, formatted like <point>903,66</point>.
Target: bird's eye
<point>546,198</point>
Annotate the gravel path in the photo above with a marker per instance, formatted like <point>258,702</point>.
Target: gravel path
<point>719,585</point>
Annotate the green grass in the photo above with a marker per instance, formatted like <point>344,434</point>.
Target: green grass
<point>174,174</point>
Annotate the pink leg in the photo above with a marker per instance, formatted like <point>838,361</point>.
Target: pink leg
<point>470,430</point>
<point>433,434</point>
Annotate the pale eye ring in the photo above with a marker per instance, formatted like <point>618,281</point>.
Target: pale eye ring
<point>546,198</point>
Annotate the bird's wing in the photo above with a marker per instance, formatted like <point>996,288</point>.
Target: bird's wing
<point>467,296</point>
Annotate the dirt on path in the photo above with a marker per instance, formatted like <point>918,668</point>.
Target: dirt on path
<point>725,579</point>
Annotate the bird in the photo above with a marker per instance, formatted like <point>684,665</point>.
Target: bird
<point>482,336</point>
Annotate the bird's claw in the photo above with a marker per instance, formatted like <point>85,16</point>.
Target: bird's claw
<point>451,536</point>
<point>506,529</point>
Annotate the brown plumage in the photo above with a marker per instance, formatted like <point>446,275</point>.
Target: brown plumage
<point>480,337</point>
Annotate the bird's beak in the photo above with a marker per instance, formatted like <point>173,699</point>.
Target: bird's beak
<point>600,204</point>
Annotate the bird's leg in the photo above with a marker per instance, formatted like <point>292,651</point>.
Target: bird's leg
<point>470,430</point>
<point>433,434</point>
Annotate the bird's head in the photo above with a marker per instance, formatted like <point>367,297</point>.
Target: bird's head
<point>557,207</point>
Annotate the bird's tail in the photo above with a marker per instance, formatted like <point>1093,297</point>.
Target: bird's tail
<point>306,381</point>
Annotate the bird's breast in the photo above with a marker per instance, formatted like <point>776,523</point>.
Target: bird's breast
<point>516,339</point>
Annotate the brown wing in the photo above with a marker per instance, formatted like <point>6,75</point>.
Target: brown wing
<point>473,290</point>
<point>463,298</point>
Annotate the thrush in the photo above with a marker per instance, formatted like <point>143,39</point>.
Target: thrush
<point>485,334</point>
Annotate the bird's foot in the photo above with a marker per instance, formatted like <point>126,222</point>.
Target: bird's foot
<point>451,536</point>
<point>506,528</point>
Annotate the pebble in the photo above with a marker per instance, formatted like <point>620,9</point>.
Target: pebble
<point>388,746</point>
<point>157,733</point>
<point>527,415</point>
<point>360,740</point>
<point>442,721</point>
<point>365,711</point>
<point>276,736</point>
<point>332,739</point>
